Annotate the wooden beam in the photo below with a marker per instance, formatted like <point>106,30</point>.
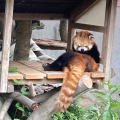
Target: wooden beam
<point>83,7</point>
<point>70,34</point>
<point>88,27</point>
<point>108,37</point>
<point>6,45</point>
<point>36,16</point>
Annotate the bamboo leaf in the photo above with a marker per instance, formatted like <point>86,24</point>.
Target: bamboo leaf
<point>18,106</point>
<point>98,92</point>
<point>18,82</point>
<point>23,91</point>
<point>107,113</point>
<point>12,69</point>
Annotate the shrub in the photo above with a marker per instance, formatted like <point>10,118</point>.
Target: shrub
<point>105,107</point>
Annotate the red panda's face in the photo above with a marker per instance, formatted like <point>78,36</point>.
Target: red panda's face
<point>83,41</point>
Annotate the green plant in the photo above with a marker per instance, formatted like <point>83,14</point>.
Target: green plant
<point>12,69</point>
<point>20,108</point>
<point>24,109</point>
<point>105,107</point>
<point>109,107</point>
<point>76,112</point>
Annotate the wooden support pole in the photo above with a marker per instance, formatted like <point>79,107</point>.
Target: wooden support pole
<point>6,44</point>
<point>7,117</point>
<point>108,37</point>
<point>70,34</point>
<point>5,108</point>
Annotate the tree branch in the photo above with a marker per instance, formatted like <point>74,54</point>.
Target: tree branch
<point>46,109</point>
<point>43,97</point>
<point>3,109</point>
<point>24,100</point>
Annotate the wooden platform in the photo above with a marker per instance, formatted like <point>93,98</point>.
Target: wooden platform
<point>32,71</point>
<point>51,44</point>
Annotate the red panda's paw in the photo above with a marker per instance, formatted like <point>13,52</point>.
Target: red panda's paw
<point>46,66</point>
<point>60,107</point>
<point>95,67</point>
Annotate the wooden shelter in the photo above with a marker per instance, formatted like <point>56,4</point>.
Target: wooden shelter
<point>70,10</point>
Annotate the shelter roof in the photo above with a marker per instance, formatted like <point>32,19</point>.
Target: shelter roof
<point>65,7</point>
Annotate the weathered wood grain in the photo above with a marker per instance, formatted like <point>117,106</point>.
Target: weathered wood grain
<point>28,72</point>
<point>6,45</point>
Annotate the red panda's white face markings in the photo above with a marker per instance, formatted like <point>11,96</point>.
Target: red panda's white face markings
<point>83,41</point>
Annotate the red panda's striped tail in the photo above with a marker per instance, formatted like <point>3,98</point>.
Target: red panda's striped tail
<point>70,82</point>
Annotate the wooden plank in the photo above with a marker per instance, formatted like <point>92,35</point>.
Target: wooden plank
<point>33,64</point>
<point>88,27</point>
<point>37,65</point>
<point>97,75</point>
<point>83,7</point>
<point>36,16</point>
<point>57,75</point>
<point>6,44</point>
<point>54,74</point>
<point>51,43</point>
<point>28,72</point>
<point>108,37</point>
<point>15,75</point>
<point>36,81</point>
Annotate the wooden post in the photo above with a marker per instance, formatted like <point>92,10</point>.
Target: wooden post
<point>63,30</point>
<point>70,34</point>
<point>108,37</point>
<point>6,44</point>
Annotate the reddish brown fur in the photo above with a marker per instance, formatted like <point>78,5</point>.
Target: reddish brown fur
<point>82,38</point>
<point>73,72</point>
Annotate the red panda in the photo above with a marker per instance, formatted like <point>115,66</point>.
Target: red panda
<point>73,64</point>
<point>83,42</point>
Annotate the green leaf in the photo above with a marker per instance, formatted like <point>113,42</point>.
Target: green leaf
<point>18,82</point>
<point>16,119</point>
<point>19,107</point>
<point>23,91</point>
<point>107,113</point>
<point>98,92</point>
<point>108,96</point>
<point>115,104</point>
<point>115,115</point>
<point>101,98</point>
<point>12,69</point>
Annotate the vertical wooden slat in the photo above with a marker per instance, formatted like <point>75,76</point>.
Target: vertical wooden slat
<point>6,44</point>
<point>108,37</point>
<point>70,34</point>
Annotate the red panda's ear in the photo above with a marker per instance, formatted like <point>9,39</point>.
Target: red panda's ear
<point>76,33</point>
<point>91,36</point>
